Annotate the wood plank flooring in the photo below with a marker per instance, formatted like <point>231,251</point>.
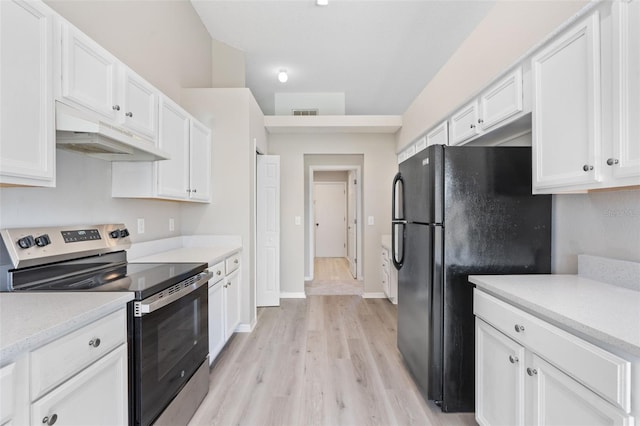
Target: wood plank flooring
<point>323,360</point>
<point>332,277</point>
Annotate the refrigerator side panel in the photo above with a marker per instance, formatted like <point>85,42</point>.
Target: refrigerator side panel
<point>414,300</point>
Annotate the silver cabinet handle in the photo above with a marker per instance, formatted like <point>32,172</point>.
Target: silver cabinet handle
<point>50,420</point>
<point>513,359</point>
<point>532,371</point>
<point>519,328</point>
<point>480,121</point>
<point>94,342</point>
<point>235,261</point>
<point>473,126</point>
<point>218,272</point>
<point>194,190</point>
<point>188,190</point>
<point>612,161</point>
<point>116,107</point>
<point>587,167</point>
<point>129,114</point>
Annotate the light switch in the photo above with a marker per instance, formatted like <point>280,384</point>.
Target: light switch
<point>370,220</point>
<point>298,220</point>
<point>140,225</point>
<point>172,225</point>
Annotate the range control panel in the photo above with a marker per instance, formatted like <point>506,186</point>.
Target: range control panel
<point>38,246</point>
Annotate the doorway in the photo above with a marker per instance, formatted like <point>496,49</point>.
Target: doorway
<point>334,238</point>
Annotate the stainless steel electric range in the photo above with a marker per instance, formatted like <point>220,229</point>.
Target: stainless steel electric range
<point>167,322</point>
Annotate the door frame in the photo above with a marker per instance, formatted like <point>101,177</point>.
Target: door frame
<point>359,224</point>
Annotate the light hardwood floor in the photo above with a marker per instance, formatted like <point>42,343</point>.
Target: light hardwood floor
<point>324,360</point>
<point>332,277</point>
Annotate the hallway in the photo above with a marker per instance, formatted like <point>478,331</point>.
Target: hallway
<point>332,277</point>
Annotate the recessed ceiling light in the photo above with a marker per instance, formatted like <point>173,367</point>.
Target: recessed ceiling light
<point>282,76</point>
<point>322,2</point>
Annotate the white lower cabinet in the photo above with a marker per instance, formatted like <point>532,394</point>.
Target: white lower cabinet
<point>530,372</point>
<point>80,378</point>
<point>224,303</point>
<point>95,396</point>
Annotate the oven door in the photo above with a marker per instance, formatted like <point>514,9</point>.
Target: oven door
<point>168,344</point>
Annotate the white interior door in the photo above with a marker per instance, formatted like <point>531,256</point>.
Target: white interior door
<point>268,230</point>
<point>330,205</point>
<point>352,192</point>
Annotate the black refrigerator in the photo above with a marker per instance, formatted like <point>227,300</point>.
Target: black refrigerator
<point>459,211</point>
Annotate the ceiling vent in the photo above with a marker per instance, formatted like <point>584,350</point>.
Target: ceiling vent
<point>305,112</point>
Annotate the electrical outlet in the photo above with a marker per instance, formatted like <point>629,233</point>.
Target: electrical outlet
<point>172,225</point>
<point>297,220</point>
<point>140,225</point>
<point>370,221</point>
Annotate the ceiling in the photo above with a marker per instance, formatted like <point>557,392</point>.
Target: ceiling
<point>379,53</point>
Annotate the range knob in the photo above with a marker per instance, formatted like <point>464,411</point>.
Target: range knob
<point>26,242</point>
<point>115,234</point>
<point>43,240</point>
<point>124,233</point>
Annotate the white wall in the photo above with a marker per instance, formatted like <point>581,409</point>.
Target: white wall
<point>166,43</point>
<point>604,223</point>
<point>228,66</point>
<point>379,167</point>
<point>330,176</point>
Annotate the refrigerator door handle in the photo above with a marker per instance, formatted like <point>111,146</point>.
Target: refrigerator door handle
<point>397,220</point>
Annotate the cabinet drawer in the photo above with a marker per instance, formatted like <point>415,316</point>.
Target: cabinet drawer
<point>61,359</point>
<point>599,370</point>
<point>232,263</point>
<point>218,272</point>
<point>6,393</point>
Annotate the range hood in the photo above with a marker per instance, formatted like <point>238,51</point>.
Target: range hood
<point>82,132</point>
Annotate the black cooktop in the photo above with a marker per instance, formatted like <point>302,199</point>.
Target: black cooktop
<point>143,279</point>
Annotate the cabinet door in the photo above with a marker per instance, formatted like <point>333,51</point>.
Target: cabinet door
<point>557,399</point>
<point>464,123</point>
<point>232,303</point>
<point>626,142</point>
<point>566,112</point>
<point>439,135</point>
<point>173,174</point>
<point>139,109</point>
<point>502,100</point>
<point>200,162</point>
<point>95,396</point>
<point>499,378</point>
<point>89,73</point>
<point>216,320</point>
<point>27,128</point>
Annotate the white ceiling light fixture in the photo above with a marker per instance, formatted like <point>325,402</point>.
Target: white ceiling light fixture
<point>283,76</point>
<point>322,2</point>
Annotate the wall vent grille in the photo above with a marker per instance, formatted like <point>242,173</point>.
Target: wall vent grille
<point>305,112</point>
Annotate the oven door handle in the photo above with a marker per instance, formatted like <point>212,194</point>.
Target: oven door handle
<point>166,297</point>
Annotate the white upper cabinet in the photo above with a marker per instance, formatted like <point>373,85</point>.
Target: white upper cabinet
<point>625,159</point>
<point>439,135</point>
<point>27,129</point>
<point>186,176</point>
<point>88,73</point>
<point>566,134</point>
<point>139,110</point>
<point>200,162</point>
<point>502,100</point>
<point>93,79</point>
<point>173,174</point>
<point>499,102</point>
<point>464,123</point>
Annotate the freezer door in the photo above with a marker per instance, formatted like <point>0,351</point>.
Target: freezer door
<point>422,182</point>
<point>420,310</point>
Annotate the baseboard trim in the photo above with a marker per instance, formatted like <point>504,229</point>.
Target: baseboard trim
<point>247,328</point>
<point>308,278</point>
<point>292,295</point>
<point>374,295</point>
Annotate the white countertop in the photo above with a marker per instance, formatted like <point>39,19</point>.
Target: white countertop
<point>29,320</point>
<point>210,255</point>
<point>603,313</point>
